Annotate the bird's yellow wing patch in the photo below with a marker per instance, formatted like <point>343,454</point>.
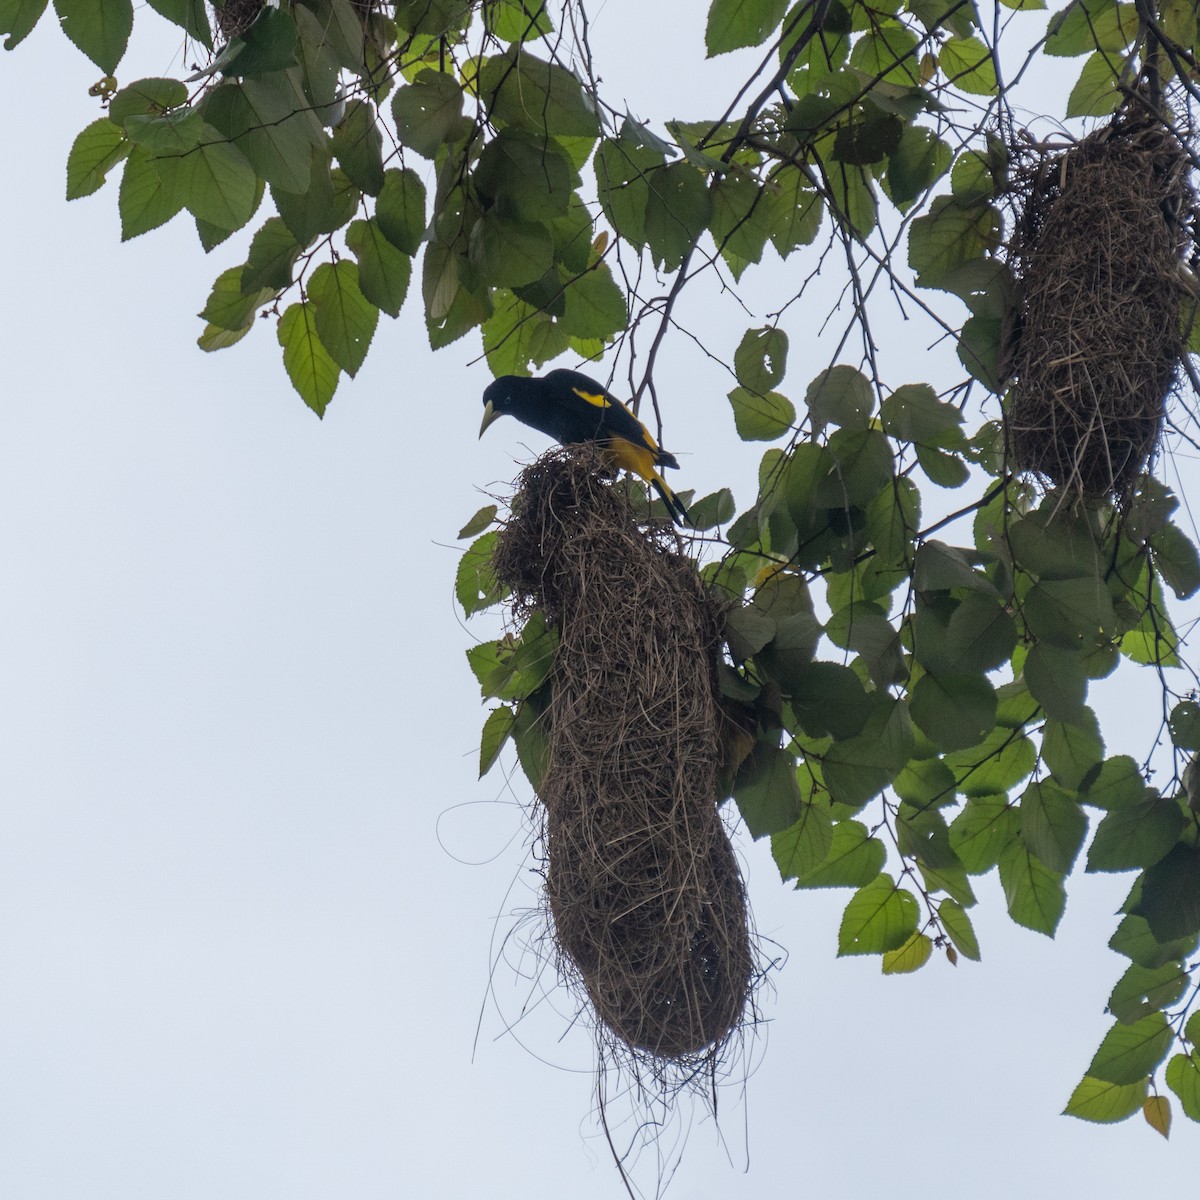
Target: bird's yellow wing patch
<point>599,399</point>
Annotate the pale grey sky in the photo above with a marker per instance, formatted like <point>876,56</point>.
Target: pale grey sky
<point>243,954</point>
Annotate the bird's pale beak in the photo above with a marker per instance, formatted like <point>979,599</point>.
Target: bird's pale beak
<point>489,415</point>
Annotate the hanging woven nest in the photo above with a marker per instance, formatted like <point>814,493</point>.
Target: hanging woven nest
<point>647,901</point>
<point>1101,234</point>
<point>234,17</point>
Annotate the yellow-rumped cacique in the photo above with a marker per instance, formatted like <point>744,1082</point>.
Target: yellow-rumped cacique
<point>571,408</point>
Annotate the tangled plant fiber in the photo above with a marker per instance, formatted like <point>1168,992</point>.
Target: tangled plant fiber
<point>645,893</point>
<point>1101,231</point>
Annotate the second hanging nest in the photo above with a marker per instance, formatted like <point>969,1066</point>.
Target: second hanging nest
<point>647,901</point>
<point>1102,231</point>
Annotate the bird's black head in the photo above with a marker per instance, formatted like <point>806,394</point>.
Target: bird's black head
<point>508,394</point>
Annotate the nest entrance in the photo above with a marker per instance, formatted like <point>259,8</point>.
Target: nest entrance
<point>1101,233</point>
<point>643,886</point>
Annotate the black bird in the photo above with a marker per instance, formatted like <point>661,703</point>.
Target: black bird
<point>572,408</point>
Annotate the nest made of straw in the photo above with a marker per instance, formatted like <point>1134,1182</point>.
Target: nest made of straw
<point>1101,231</point>
<point>234,17</point>
<point>647,900</point>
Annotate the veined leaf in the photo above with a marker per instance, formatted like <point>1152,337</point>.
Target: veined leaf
<point>310,367</point>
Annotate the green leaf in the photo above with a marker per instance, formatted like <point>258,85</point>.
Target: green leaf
<point>949,236</point>
<point>1072,750</point>
<point>328,203</point>
<point>346,319</point>
<point>216,338</point>
<point>678,209</point>
<point>915,414</point>
<point>189,15</point>
<point>983,831</point>
<point>1118,783</point>
<point>733,24</point>
<point>862,469</point>
<point>761,417</point>
<point>1053,825</point>
<point>595,305</point>
<point>717,508</point>
<point>429,113</point>
<point>1034,892</point>
<point>793,210</point>
<point>479,522</point>
<point>1105,1103</point>
<point>912,956</point>
<point>267,45</point>
<point>829,700</point>
<point>518,20</point>
<point>739,223</point>
<point>1135,940</point>
<point>400,209</point>
<point>879,917</point>
<point>309,365</point>
<point>860,767</point>
<point>925,782</point>
<point>146,97</point>
<point>1185,725</point>
<point>1131,1052</point>
<point>958,928</point>
<point>329,36</point>
<point>529,93</point>
<point>888,53</point>
<point>940,567</point>
<point>981,634</point>
<point>1142,990</point>
<point>1137,834</point>
<point>272,257</point>
<point>622,178</point>
<point>854,859</point>
<point>229,307</point>
<point>1095,92</point>
<point>998,763</point>
<point>433,17</point>
<point>514,669</point>
<point>475,584</point>
<point>804,845</point>
<point>517,334</point>
<point>760,360</point>
<point>525,175</point>
<point>1064,611</point>
<point>214,179</point>
<point>915,165</point>
<point>1183,1078</point>
<point>1086,25</point>
<point>509,252</point>
<point>357,144</point>
<point>100,28</point>
<point>260,122</point>
<point>967,64</point>
<point>954,711</point>
<point>17,19</point>
<point>496,729</point>
<point>1057,681</point>
<point>1177,560</point>
<point>766,791</point>
<point>94,153</point>
<point>144,202</point>
<point>383,271</point>
<point>841,396</point>
<point>1171,895</point>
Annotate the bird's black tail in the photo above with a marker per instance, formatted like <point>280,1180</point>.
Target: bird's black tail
<point>679,514</point>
